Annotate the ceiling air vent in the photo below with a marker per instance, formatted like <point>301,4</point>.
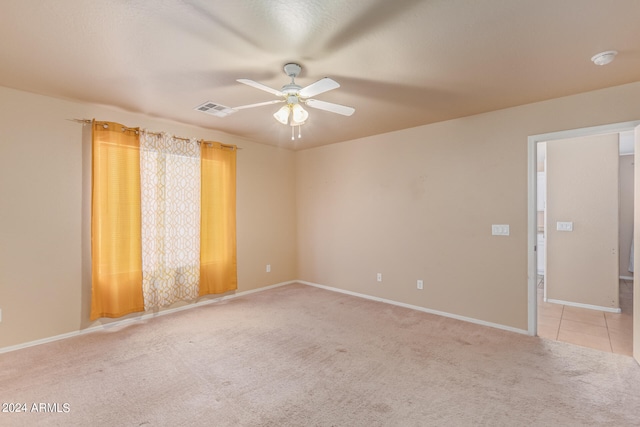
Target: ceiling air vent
<point>215,109</point>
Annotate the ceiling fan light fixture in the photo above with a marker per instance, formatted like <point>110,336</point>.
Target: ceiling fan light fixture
<point>300,115</point>
<point>282,115</point>
<point>604,58</point>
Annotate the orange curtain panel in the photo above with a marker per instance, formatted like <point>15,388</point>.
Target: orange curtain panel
<point>116,249</point>
<point>218,263</point>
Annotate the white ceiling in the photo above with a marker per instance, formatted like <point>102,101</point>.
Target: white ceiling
<point>401,63</point>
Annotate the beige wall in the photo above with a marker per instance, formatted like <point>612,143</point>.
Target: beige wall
<point>412,204</point>
<point>626,212</point>
<point>44,194</point>
<point>582,187</point>
<point>419,204</point>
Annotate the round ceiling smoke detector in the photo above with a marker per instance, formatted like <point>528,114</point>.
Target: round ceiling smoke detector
<point>603,58</point>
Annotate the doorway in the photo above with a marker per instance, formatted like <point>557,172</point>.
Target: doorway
<point>533,215</point>
<point>582,297</point>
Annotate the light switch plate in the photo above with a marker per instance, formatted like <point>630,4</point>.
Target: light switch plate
<point>500,229</point>
<point>564,226</point>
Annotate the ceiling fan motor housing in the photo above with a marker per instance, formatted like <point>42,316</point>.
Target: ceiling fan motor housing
<point>290,89</point>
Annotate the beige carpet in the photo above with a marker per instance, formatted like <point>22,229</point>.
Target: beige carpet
<point>303,356</point>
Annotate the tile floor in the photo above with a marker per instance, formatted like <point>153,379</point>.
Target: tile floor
<point>611,332</point>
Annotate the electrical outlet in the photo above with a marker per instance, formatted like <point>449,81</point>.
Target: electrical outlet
<point>379,277</point>
<point>0,315</point>
<point>268,268</point>
<point>420,284</point>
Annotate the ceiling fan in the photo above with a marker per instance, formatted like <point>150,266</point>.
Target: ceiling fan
<point>293,95</point>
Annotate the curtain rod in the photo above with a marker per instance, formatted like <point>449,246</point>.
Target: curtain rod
<point>199,141</point>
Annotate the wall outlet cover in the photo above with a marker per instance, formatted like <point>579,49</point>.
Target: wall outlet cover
<point>564,226</point>
<point>500,229</point>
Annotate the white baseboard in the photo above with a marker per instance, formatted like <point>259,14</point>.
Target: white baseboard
<point>589,306</point>
<point>418,308</point>
<point>147,316</point>
<point>626,277</point>
<point>139,318</point>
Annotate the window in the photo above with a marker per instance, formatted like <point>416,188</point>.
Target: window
<point>163,219</point>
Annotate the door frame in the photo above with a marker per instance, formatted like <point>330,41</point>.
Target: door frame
<point>532,226</point>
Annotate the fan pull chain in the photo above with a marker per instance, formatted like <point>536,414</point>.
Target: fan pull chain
<point>299,132</point>
<point>292,134</point>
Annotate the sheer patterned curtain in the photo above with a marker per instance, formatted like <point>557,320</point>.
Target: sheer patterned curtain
<point>170,204</point>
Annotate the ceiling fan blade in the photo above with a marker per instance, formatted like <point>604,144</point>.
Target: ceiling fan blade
<point>321,86</point>
<point>329,106</point>
<point>260,86</point>
<point>259,104</point>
